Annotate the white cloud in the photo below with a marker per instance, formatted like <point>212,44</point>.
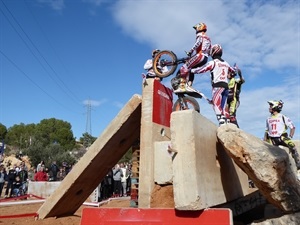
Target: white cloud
<point>54,4</point>
<point>262,37</point>
<point>267,32</point>
<point>94,102</point>
<point>118,104</point>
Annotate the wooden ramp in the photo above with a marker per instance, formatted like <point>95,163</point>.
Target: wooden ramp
<point>102,155</point>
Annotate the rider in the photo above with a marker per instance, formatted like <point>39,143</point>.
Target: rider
<point>276,130</point>
<point>202,48</point>
<point>149,66</point>
<point>233,100</point>
<point>219,70</point>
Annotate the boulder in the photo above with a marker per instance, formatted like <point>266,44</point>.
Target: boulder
<point>291,219</point>
<point>266,165</point>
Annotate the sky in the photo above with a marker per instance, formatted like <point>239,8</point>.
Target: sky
<point>81,61</point>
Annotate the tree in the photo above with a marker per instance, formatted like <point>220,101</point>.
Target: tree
<point>54,152</point>
<point>87,139</point>
<point>54,131</point>
<point>20,135</point>
<point>3,131</point>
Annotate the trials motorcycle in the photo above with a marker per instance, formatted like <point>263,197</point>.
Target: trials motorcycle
<point>165,64</point>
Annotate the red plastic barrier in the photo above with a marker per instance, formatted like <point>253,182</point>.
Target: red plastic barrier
<point>137,216</point>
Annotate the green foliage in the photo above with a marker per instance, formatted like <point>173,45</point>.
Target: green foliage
<point>54,152</point>
<point>53,131</point>
<point>87,139</point>
<point>3,131</point>
<point>49,140</point>
<point>19,135</point>
<point>127,157</point>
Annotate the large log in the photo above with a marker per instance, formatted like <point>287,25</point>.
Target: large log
<point>266,165</point>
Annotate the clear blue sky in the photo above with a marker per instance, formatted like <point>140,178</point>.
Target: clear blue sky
<point>56,55</point>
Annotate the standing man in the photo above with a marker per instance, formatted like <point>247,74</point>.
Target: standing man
<point>117,181</point>
<point>219,70</point>
<point>233,100</point>
<point>54,170</point>
<point>277,125</point>
<point>3,177</point>
<point>124,176</point>
<point>10,180</point>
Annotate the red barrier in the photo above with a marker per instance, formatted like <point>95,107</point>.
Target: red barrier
<point>20,198</point>
<point>137,216</point>
<point>19,215</point>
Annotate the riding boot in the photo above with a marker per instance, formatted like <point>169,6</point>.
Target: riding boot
<point>191,79</point>
<point>182,86</point>
<point>221,119</point>
<point>233,120</point>
<point>295,156</point>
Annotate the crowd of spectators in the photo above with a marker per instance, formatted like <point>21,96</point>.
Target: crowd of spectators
<point>14,178</point>
<point>116,183</point>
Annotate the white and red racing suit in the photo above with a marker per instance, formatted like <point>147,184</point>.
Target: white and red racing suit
<point>202,48</point>
<point>219,79</point>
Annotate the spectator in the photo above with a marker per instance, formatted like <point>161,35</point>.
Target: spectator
<point>41,164</point>
<point>124,176</point>
<point>54,170</point>
<point>3,177</point>
<point>10,180</point>
<point>61,174</point>
<point>23,175</point>
<point>17,185</point>
<point>31,174</point>
<point>41,175</point>
<point>117,181</point>
<point>110,183</point>
<point>128,183</point>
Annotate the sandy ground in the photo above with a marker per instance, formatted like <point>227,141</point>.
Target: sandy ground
<point>33,208</point>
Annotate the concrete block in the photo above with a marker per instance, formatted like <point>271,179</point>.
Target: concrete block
<point>203,174</point>
<point>156,111</point>
<point>163,171</point>
<point>42,189</point>
<point>45,189</point>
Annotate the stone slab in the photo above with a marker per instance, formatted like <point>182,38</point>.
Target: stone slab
<point>163,160</point>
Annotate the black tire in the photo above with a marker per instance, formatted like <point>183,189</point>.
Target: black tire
<point>166,59</point>
<point>190,103</point>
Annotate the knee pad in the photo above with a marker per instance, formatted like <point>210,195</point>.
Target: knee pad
<point>184,72</point>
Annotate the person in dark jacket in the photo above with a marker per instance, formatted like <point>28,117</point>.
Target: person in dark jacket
<point>11,175</point>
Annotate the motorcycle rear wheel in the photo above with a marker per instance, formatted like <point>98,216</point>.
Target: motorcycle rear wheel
<point>189,103</point>
<point>164,59</point>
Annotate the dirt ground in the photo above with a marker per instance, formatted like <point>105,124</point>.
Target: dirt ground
<point>33,208</point>
<point>161,197</point>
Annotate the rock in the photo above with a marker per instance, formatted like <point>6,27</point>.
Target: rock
<point>266,165</point>
<point>291,219</point>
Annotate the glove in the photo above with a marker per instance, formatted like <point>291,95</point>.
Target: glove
<point>190,53</point>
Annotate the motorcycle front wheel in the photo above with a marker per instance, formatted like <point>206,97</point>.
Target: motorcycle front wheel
<point>186,102</point>
<point>164,63</point>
